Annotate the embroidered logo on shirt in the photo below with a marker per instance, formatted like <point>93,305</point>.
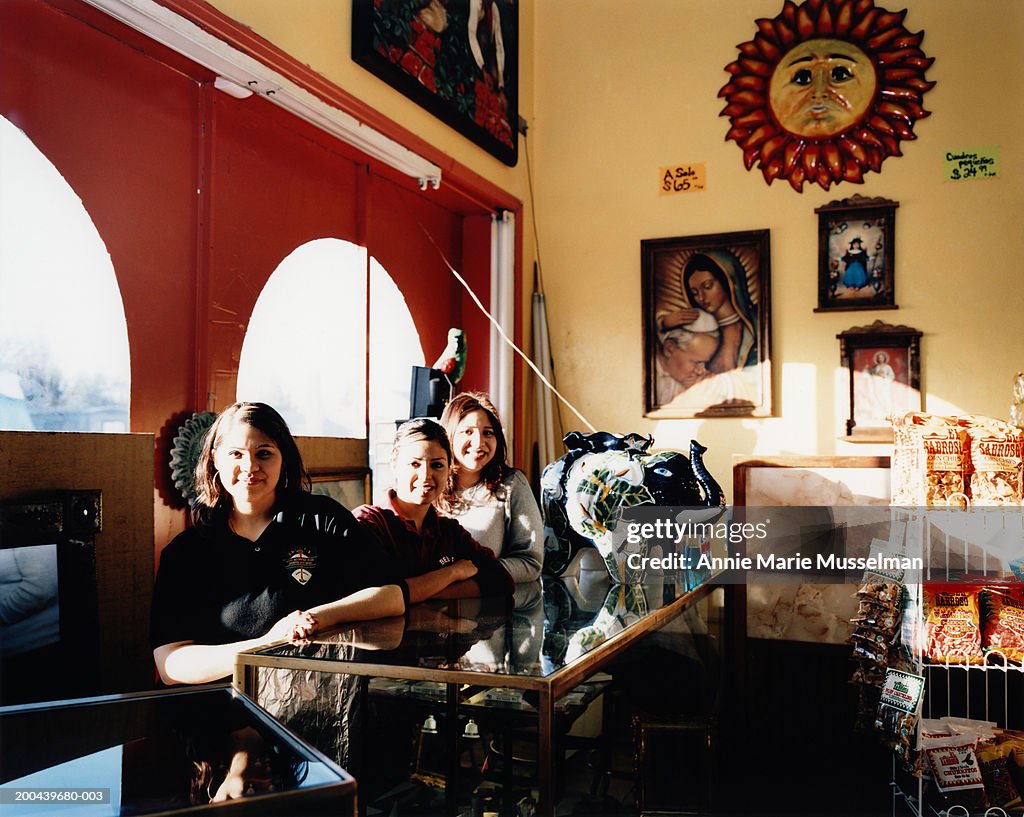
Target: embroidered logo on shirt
<point>300,562</point>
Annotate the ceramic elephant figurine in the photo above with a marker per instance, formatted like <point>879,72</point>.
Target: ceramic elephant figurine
<point>584,491</point>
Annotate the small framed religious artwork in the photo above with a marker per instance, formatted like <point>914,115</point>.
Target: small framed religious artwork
<point>856,255</point>
<point>456,58</point>
<point>706,325</point>
<point>884,365</point>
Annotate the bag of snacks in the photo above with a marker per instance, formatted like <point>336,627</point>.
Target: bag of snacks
<point>898,711</point>
<point>954,767</point>
<point>1015,761</point>
<point>1002,626</point>
<point>952,625</point>
<point>928,461</point>
<point>993,759</point>
<point>993,466</point>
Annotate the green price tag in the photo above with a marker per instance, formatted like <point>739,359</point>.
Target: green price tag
<point>972,163</point>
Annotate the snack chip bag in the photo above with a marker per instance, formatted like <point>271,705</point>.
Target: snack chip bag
<point>993,466</point>
<point>955,770</point>
<point>898,711</point>
<point>928,461</point>
<point>952,625</point>
<point>993,759</point>
<point>1002,626</point>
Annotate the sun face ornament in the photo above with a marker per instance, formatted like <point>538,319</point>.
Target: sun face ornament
<point>826,91</point>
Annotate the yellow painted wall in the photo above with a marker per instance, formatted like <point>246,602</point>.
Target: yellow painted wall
<point>625,88</point>
<point>612,91</point>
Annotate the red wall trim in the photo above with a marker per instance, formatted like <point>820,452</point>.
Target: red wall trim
<point>456,176</point>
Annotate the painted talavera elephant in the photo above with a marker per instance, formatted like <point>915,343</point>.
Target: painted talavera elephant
<point>584,492</point>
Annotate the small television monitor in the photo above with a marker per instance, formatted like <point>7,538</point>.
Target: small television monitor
<point>429,393</point>
<point>48,614</point>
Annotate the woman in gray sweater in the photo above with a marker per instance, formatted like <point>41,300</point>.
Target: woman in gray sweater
<point>491,499</point>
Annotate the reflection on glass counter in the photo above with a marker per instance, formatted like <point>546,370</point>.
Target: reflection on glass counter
<point>408,704</point>
<point>161,752</point>
<point>549,626</point>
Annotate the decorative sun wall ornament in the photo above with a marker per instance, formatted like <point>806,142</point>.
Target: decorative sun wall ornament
<point>185,450</point>
<point>826,91</point>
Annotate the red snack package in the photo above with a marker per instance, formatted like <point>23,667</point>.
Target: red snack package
<point>952,625</point>
<point>1003,623</point>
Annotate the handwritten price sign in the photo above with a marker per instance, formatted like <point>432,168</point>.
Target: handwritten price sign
<point>976,163</point>
<point>681,179</point>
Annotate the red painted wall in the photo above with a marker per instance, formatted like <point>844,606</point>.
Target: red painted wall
<point>199,196</point>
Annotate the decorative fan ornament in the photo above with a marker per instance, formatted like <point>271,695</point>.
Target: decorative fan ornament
<point>185,450</point>
<point>826,91</point>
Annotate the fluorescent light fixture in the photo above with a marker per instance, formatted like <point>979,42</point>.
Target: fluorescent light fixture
<point>231,88</point>
<point>237,72</point>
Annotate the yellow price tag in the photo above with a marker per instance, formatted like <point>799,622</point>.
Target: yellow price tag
<point>686,178</point>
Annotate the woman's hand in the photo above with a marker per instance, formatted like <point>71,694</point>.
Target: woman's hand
<point>245,777</point>
<point>680,317</point>
<point>463,569</point>
<point>295,627</point>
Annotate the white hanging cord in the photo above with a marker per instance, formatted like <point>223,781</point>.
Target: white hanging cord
<point>501,331</point>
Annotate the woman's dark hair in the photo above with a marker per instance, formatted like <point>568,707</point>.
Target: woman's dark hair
<point>700,261</point>
<point>421,428</point>
<point>458,408</point>
<point>211,499</point>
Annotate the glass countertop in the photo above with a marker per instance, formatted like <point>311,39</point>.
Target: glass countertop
<point>155,752</point>
<point>549,625</point>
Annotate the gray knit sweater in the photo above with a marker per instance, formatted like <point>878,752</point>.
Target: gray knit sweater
<point>508,523</point>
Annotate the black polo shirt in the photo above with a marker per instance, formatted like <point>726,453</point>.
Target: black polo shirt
<point>215,587</point>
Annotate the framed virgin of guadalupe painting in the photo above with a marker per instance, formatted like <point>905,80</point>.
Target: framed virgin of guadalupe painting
<point>706,325</point>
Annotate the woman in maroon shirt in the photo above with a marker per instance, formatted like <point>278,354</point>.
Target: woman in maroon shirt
<point>435,555</point>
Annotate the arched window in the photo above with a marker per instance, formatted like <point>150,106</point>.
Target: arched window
<point>305,350</point>
<point>64,362</point>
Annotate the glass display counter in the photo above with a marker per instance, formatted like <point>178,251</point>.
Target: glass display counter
<point>530,657</point>
<point>198,750</point>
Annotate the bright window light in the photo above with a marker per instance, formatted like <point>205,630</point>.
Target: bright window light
<point>64,362</point>
<point>305,351</point>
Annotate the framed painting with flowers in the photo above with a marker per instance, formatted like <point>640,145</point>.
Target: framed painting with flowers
<point>456,58</point>
<point>707,318</point>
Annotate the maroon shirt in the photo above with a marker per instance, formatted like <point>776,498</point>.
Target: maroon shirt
<point>439,542</point>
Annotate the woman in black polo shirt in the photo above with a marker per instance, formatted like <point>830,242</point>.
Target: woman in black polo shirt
<point>266,561</point>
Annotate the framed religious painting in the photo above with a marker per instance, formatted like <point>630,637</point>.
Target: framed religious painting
<point>707,325</point>
<point>456,58</point>
<point>856,254</point>
<point>884,365</point>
